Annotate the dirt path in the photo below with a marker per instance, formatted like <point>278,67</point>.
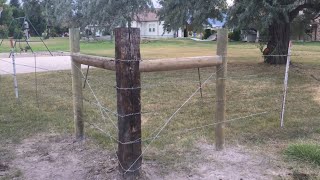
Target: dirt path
<point>27,64</point>
<point>48,157</point>
<point>51,157</point>
<point>232,163</point>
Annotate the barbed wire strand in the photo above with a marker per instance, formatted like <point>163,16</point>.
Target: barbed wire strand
<point>126,170</point>
<point>95,97</point>
<point>167,122</point>
<point>129,169</point>
<point>172,116</point>
<point>209,125</point>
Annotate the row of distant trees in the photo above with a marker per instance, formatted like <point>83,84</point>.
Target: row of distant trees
<point>273,18</point>
<point>55,16</point>
<point>37,14</point>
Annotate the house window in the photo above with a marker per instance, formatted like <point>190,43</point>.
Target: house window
<point>152,28</point>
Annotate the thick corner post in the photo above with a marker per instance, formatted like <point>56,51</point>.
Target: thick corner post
<point>74,35</point>
<point>221,89</point>
<point>127,55</point>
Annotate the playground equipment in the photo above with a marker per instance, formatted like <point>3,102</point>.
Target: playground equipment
<point>25,25</point>
<point>24,33</point>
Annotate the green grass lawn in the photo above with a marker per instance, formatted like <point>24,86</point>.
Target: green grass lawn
<point>252,88</point>
<point>304,152</point>
<point>171,48</point>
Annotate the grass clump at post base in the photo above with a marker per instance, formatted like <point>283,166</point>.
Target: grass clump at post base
<point>304,152</point>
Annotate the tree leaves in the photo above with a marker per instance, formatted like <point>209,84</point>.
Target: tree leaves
<point>262,13</point>
<point>111,13</point>
<point>179,13</point>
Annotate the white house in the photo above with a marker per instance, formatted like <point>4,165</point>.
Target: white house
<point>149,24</point>
<point>151,27</point>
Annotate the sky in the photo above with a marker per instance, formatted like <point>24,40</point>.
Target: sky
<point>156,4</point>
<point>230,2</point>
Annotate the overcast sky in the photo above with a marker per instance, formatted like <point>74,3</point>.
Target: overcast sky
<point>156,4</point>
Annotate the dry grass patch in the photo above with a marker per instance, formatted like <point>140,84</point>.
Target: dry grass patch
<point>251,88</point>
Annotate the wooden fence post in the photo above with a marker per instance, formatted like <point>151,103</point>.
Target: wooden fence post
<point>221,89</point>
<point>74,37</point>
<point>127,55</point>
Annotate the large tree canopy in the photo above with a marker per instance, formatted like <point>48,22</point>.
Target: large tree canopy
<point>6,15</point>
<point>273,17</point>
<point>15,3</point>
<point>69,12</point>
<point>34,12</point>
<point>98,12</point>
<point>5,20</point>
<point>196,13</point>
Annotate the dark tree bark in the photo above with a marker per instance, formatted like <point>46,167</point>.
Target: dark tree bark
<point>277,47</point>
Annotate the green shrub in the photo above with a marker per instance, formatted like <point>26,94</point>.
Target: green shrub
<point>304,152</point>
<point>4,32</point>
<point>27,48</point>
<point>235,35</point>
<point>53,33</point>
<point>106,33</point>
<point>207,33</point>
<point>230,35</point>
<point>18,34</point>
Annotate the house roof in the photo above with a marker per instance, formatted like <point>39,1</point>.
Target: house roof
<point>217,23</point>
<point>147,17</point>
<point>250,31</point>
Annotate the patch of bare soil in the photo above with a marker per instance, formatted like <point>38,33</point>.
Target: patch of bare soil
<point>47,157</point>
<point>232,163</point>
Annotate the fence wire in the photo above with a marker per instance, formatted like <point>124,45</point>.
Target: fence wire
<point>171,102</point>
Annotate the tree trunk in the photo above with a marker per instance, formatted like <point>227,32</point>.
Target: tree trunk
<point>277,47</point>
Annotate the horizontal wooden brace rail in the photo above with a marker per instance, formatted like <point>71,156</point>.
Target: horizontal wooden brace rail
<point>128,79</point>
<point>179,63</point>
<point>171,64</point>
<point>95,61</point>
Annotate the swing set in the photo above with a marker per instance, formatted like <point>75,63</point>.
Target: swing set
<point>23,36</point>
